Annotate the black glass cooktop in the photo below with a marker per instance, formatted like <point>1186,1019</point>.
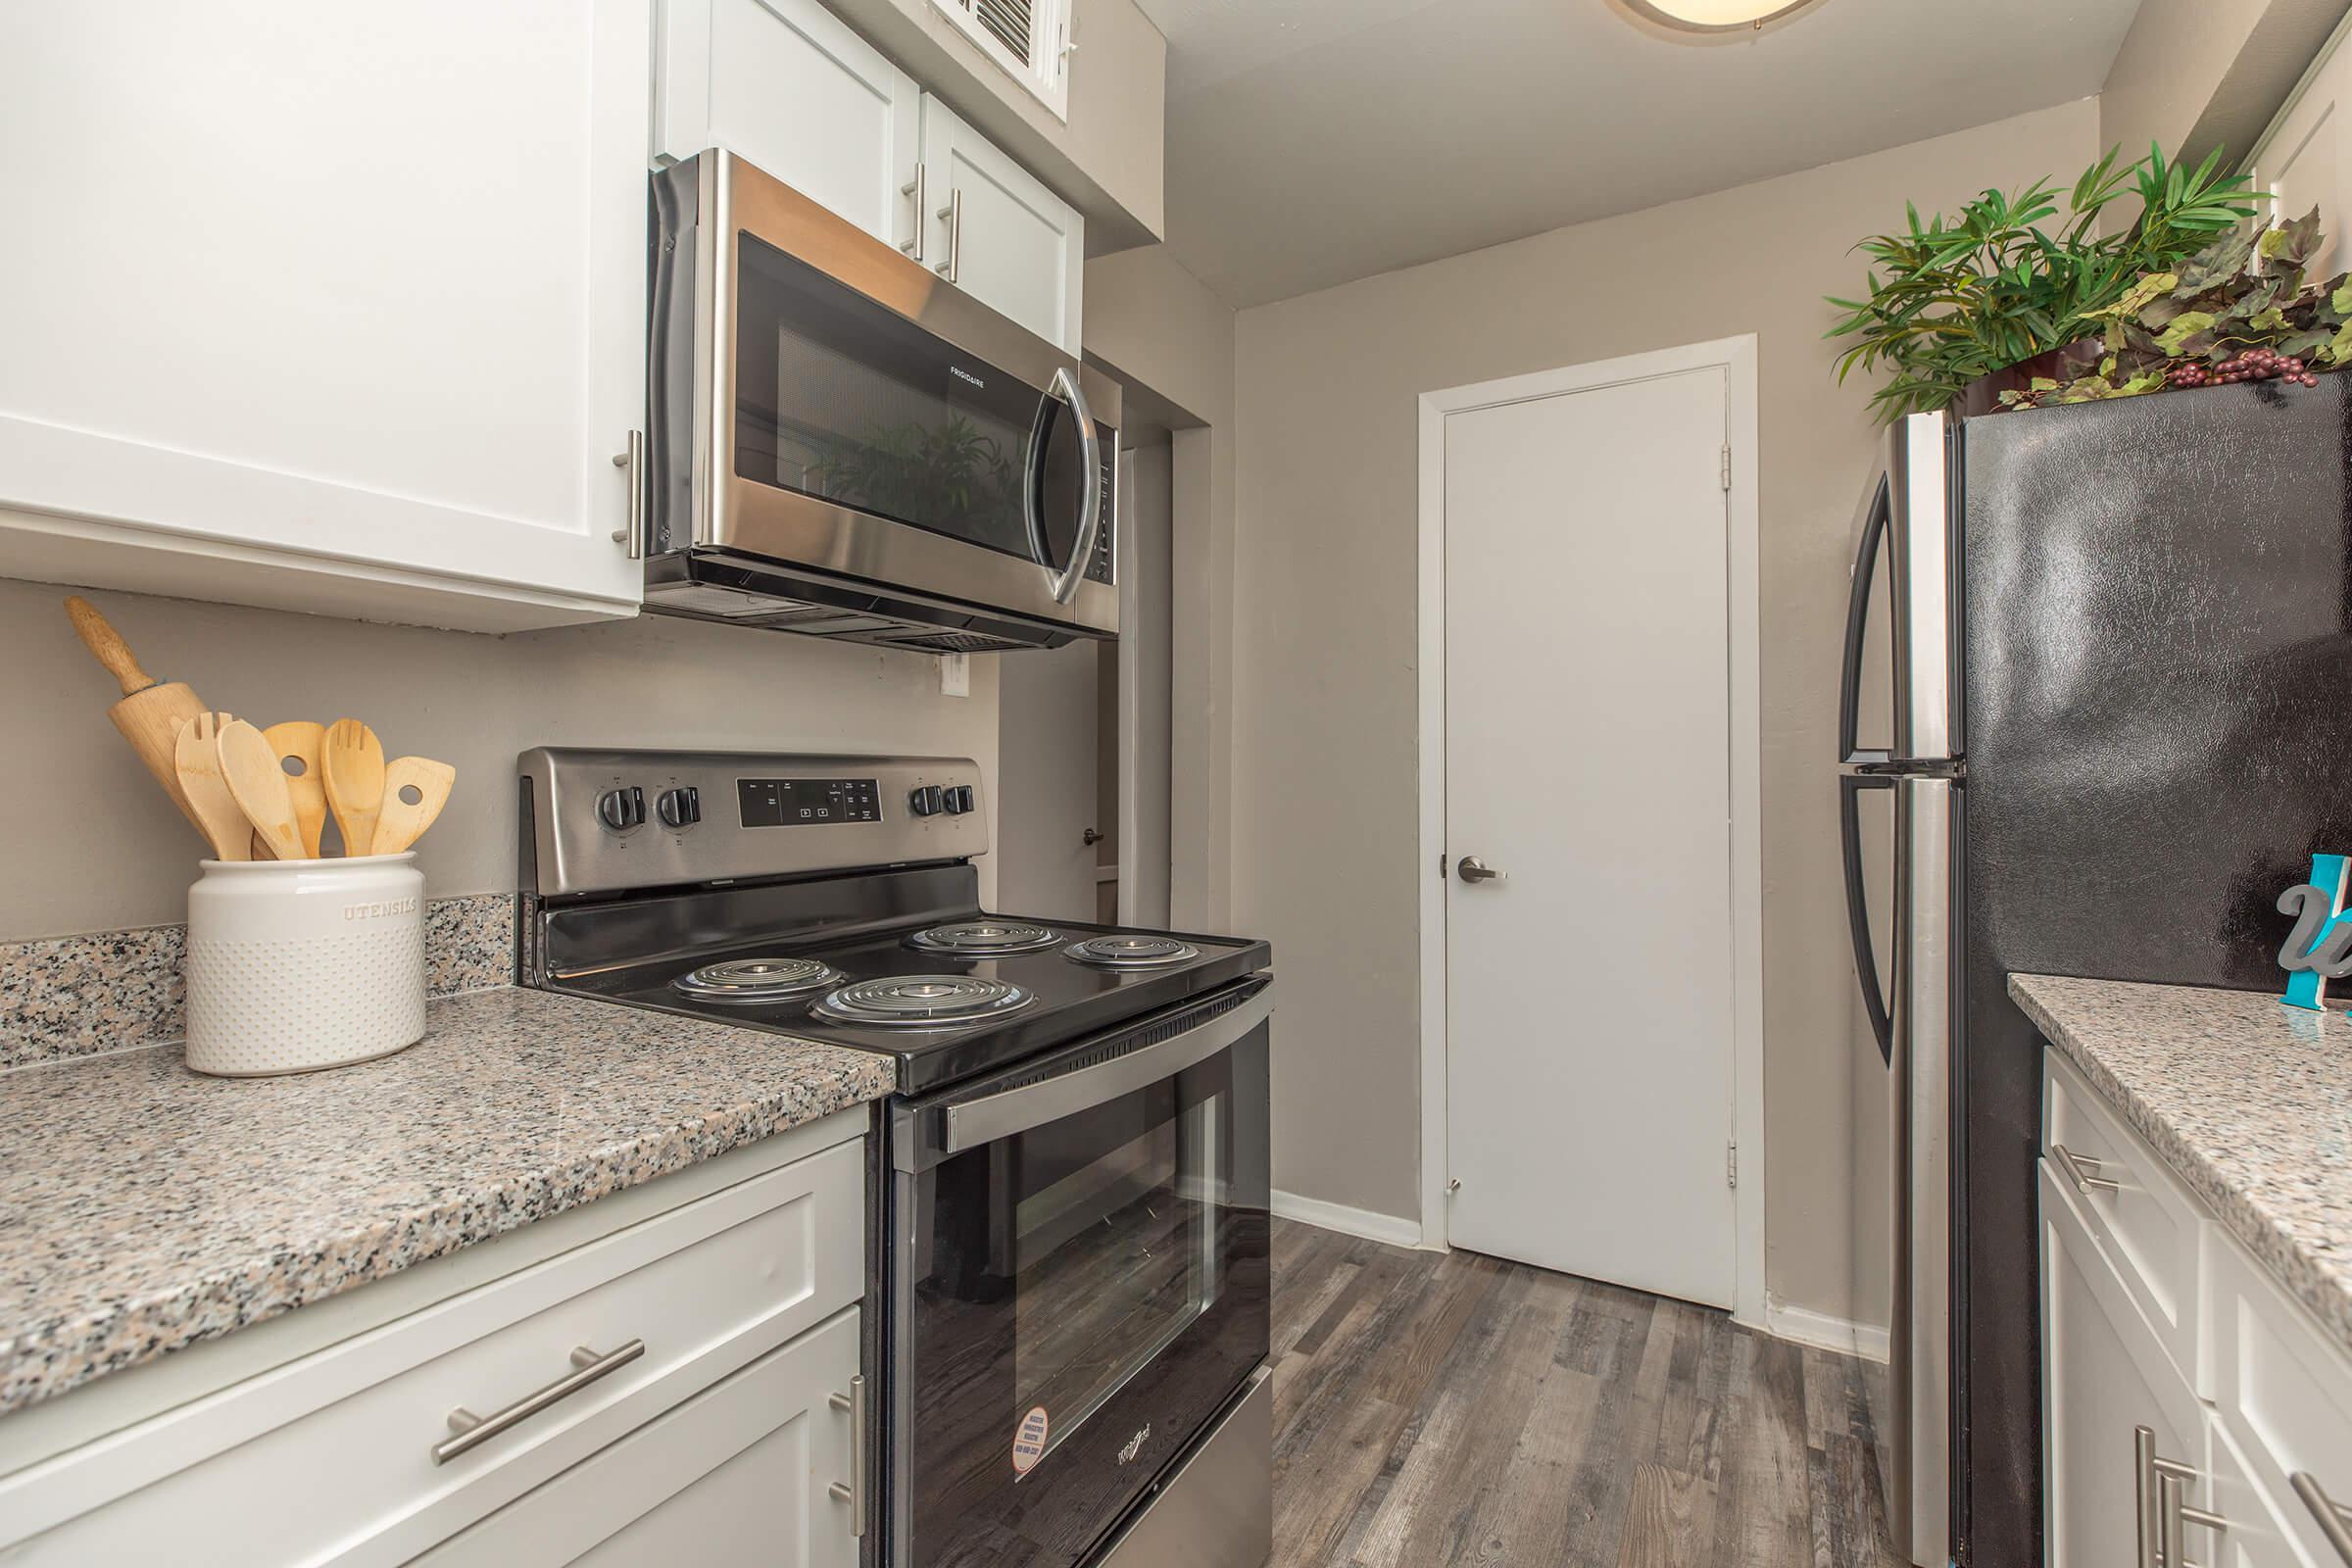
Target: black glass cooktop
<point>1065,1000</point>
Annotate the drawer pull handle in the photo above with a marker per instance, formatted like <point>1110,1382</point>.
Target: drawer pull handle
<point>2162,1515</point>
<point>853,1494</point>
<point>2085,1182</point>
<point>473,1430</point>
<point>2336,1519</point>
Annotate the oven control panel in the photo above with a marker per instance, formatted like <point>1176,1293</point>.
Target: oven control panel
<point>599,821</point>
<point>807,801</point>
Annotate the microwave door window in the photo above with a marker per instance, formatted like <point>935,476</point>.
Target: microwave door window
<point>839,397</point>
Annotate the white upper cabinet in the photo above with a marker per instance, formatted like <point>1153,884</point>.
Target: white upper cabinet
<point>994,230</point>
<point>786,85</point>
<point>334,308</point>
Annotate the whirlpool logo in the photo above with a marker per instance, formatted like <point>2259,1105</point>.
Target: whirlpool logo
<point>1135,1446</point>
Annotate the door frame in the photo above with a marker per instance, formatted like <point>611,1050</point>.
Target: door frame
<point>1737,357</point>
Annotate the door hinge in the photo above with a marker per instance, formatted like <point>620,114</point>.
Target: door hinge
<point>1731,1163</point>
<point>1727,467</point>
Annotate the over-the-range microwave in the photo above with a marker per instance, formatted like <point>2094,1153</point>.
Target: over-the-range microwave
<point>843,443</point>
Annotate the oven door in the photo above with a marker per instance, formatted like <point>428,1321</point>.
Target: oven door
<point>1078,1282</point>
<point>868,421</point>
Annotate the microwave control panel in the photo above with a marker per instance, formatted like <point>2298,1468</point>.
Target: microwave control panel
<point>1098,568</point>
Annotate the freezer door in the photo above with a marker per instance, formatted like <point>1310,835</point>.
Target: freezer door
<point>1899,699</point>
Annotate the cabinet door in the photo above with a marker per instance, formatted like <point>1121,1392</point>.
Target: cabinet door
<point>995,232</point>
<point>2104,1375</point>
<point>2256,1538</point>
<point>740,1473</point>
<point>785,84</point>
<point>2300,160</point>
<point>340,308</point>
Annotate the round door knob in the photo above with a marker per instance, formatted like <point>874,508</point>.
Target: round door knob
<point>1091,837</point>
<point>1470,868</point>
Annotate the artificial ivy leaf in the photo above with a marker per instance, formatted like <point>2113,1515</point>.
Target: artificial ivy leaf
<point>2270,320</point>
<point>2150,287</point>
<point>2174,339</point>
<point>2151,381</point>
<point>2340,347</point>
<point>2217,262</point>
<point>2340,299</point>
<point>2292,242</point>
<point>2043,383</point>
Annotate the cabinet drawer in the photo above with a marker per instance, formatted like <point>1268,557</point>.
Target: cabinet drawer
<point>331,1458</point>
<point>2282,1394</point>
<point>2149,1223</point>
<point>740,1473</point>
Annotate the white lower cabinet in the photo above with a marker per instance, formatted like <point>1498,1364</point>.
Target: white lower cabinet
<point>740,1473</point>
<point>2105,1377</point>
<point>670,1379</point>
<point>2155,1320</point>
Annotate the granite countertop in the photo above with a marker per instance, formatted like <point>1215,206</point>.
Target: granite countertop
<point>149,1208</point>
<point>2249,1100</point>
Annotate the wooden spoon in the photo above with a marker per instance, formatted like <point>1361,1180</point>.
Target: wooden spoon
<point>403,821</point>
<point>259,782</point>
<point>196,761</point>
<point>299,743</point>
<point>353,766</point>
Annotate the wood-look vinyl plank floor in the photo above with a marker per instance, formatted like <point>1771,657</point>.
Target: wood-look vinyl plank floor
<point>1448,1408</point>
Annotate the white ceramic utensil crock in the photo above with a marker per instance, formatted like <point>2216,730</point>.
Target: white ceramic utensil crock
<point>299,964</point>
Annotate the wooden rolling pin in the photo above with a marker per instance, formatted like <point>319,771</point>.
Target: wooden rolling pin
<point>152,713</point>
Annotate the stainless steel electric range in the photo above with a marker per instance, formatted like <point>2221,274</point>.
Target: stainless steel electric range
<point>1069,1313</point>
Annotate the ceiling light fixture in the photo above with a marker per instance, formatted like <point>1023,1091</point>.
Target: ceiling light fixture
<point>1717,15</point>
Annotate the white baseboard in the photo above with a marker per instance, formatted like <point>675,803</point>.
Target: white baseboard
<point>1802,1325</point>
<point>1384,1227</point>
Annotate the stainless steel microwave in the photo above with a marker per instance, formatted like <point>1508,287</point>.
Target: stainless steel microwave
<point>840,442</point>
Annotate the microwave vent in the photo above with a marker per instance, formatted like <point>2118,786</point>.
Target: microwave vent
<point>952,642</point>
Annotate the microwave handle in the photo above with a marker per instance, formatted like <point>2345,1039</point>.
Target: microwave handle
<point>1090,509</point>
<point>988,1118</point>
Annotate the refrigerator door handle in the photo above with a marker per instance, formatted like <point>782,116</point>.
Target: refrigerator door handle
<point>1857,626</point>
<point>1857,903</point>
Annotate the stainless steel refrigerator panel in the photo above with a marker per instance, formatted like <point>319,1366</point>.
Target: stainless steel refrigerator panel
<point>1926,933</point>
<point>1897,699</point>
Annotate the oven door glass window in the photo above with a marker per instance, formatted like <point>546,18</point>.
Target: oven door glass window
<point>1084,1293</point>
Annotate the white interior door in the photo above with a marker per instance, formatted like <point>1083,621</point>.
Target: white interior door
<point>1047,764</point>
<point>1589,1089</point>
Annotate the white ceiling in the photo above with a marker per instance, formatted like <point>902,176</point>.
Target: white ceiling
<point>1315,142</point>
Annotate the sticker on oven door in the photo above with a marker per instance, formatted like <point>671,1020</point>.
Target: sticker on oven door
<point>1029,1442</point>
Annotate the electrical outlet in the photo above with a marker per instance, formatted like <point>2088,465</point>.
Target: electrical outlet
<point>956,674</point>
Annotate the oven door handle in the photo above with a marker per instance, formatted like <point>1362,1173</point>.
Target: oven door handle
<point>991,1117</point>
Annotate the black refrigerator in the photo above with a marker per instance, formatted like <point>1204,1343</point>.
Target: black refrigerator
<point>2096,714</point>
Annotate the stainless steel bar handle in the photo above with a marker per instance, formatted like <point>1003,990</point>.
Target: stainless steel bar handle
<point>915,247</point>
<point>952,265</point>
<point>1470,868</point>
<point>633,459</point>
<point>2146,1503</point>
<point>2087,1184</point>
<point>472,1431</point>
<point>853,1494</point>
<point>1090,461</point>
<point>2336,1518</point>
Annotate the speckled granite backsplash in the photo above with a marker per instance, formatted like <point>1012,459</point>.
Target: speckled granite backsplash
<point>79,995</point>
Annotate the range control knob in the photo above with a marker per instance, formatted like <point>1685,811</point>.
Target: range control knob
<point>928,800</point>
<point>957,799</point>
<point>622,808</point>
<point>679,808</point>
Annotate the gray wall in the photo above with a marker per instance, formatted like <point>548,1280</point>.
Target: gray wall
<point>103,850</point>
<point>1325,642</point>
<point>2196,75</point>
<point>1151,495</point>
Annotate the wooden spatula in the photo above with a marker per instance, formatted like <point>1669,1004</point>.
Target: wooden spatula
<point>415,788</point>
<point>353,766</point>
<point>299,743</point>
<point>197,761</point>
<point>151,713</point>
<point>259,783</point>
